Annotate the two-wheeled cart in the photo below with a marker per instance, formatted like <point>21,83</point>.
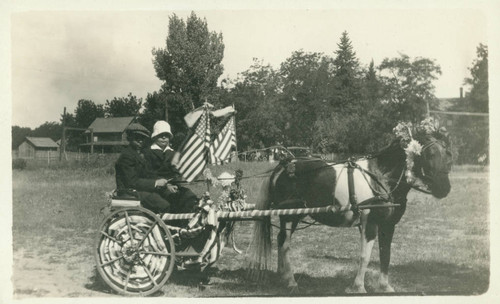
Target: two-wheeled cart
<point>137,250</point>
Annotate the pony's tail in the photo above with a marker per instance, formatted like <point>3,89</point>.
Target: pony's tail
<point>260,247</point>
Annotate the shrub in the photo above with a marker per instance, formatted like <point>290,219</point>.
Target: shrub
<point>19,164</point>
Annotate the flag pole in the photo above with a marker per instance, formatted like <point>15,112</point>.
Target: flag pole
<point>235,135</point>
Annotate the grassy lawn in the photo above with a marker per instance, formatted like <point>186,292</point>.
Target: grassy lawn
<point>440,246</point>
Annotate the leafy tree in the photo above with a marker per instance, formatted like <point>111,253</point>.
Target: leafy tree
<point>471,133</point>
<point>68,120</point>
<point>478,95</point>
<point>190,64</point>
<point>86,112</point>
<point>259,117</point>
<point>409,85</point>
<point>306,89</point>
<point>48,129</point>
<point>18,135</point>
<point>123,106</point>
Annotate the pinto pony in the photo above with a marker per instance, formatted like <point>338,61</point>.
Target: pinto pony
<point>418,158</point>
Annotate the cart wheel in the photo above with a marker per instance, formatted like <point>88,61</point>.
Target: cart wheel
<point>135,252</point>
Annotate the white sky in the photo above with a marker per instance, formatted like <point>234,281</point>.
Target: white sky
<point>61,57</point>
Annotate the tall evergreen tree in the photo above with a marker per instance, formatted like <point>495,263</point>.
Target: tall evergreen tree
<point>346,70</point>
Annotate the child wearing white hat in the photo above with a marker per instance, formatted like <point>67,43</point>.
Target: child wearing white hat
<point>159,156</point>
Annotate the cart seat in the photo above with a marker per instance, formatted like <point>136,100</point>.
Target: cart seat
<point>125,198</point>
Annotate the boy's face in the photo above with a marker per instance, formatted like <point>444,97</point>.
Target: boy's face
<point>162,140</point>
<point>137,141</point>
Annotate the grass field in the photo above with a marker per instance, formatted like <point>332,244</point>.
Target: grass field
<point>440,246</point>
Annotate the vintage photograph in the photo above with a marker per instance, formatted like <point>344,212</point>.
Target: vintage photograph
<point>208,153</point>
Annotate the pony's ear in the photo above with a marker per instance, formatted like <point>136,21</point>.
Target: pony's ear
<point>403,131</point>
<point>443,134</point>
<point>428,126</point>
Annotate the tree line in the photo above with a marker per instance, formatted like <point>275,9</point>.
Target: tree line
<point>332,103</point>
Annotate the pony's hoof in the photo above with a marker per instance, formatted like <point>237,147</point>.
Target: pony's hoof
<point>355,289</point>
<point>293,289</point>
<point>385,288</point>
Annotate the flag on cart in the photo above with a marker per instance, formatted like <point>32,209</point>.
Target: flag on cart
<point>224,142</point>
<point>193,155</point>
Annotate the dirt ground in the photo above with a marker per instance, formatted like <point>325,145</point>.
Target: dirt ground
<point>61,264</point>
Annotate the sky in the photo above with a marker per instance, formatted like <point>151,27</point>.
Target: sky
<point>60,57</point>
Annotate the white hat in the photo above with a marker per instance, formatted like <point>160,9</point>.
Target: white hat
<point>160,127</point>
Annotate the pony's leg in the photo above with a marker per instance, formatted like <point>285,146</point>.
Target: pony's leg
<point>368,231</point>
<point>284,265</point>
<point>385,235</point>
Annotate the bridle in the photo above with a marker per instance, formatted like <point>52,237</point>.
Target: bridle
<point>425,177</point>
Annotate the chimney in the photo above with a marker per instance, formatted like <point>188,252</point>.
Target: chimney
<point>461,92</point>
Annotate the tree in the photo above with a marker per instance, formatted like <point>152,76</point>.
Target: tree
<point>306,89</point>
<point>86,112</point>
<point>346,70</point>
<point>471,133</point>
<point>372,90</point>
<point>48,129</point>
<point>123,106</point>
<point>259,120</point>
<point>478,95</point>
<point>409,85</point>
<point>18,135</point>
<point>190,65</point>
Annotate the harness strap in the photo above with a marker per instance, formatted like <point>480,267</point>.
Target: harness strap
<point>352,191</point>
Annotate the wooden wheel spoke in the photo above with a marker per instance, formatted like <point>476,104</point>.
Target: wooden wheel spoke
<point>147,233</point>
<point>129,226</point>
<point>111,261</point>
<point>126,280</point>
<point>149,273</point>
<point>111,238</point>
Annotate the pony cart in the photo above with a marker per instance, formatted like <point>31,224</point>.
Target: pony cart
<point>137,250</point>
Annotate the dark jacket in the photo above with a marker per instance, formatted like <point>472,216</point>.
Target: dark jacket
<point>161,164</point>
<point>132,172</point>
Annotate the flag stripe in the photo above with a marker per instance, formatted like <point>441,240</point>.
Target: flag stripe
<point>224,147</point>
<point>196,148</point>
<point>225,141</point>
<point>193,154</point>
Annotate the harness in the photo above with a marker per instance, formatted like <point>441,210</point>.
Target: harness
<point>384,196</point>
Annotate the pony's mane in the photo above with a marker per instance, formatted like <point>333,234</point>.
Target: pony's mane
<point>391,154</point>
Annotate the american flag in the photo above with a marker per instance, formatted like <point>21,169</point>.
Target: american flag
<point>193,155</point>
<point>224,142</point>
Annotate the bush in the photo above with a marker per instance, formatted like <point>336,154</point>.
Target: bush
<point>19,164</point>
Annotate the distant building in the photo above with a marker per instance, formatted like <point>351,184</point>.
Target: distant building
<point>37,147</point>
<point>108,135</point>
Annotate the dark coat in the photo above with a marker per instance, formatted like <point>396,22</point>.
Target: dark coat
<point>132,172</point>
<point>161,164</point>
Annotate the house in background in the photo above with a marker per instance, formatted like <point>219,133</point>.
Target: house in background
<point>37,147</point>
<point>107,135</point>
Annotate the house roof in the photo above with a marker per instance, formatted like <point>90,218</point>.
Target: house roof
<point>42,142</point>
<point>110,124</point>
<point>107,143</point>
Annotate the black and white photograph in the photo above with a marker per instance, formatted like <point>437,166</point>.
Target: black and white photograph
<point>249,150</point>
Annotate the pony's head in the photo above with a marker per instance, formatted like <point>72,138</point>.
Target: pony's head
<point>428,155</point>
